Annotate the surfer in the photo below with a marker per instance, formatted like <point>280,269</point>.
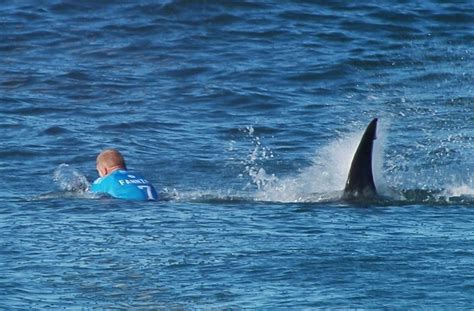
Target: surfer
<point>118,182</point>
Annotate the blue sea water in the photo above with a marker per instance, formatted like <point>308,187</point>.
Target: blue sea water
<point>245,116</point>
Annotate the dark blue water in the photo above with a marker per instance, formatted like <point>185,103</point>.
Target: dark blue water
<point>245,115</point>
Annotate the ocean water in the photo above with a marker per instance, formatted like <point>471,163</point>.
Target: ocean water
<point>245,116</point>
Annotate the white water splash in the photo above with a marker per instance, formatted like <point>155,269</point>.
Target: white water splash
<point>71,180</point>
<point>253,162</point>
<point>460,190</point>
<point>325,179</point>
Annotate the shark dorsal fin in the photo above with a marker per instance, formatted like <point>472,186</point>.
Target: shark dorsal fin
<point>360,181</point>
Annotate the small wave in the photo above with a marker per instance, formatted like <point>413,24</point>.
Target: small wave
<point>318,74</point>
<point>433,77</point>
<point>335,36</point>
<point>36,111</point>
<point>18,81</point>
<point>223,19</point>
<point>395,17</point>
<point>66,195</point>
<point>450,18</point>
<point>204,196</point>
<point>55,130</point>
<point>188,71</point>
<point>372,62</point>
<point>148,125</point>
<point>15,154</point>
<point>75,75</point>
<point>308,17</point>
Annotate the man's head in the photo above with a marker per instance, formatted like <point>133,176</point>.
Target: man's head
<point>108,161</point>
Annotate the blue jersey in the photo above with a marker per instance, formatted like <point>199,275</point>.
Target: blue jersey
<point>123,184</point>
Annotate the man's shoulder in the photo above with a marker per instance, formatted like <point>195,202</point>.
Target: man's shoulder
<point>125,174</point>
<point>98,181</point>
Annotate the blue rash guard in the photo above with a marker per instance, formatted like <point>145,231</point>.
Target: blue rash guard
<point>123,184</point>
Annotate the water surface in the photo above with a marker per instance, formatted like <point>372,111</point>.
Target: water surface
<point>245,115</point>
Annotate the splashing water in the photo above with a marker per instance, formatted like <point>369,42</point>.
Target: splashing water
<point>71,180</point>
<point>324,179</point>
<point>460,190</point>
<point>326,175</point>
<point>254,161</point>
